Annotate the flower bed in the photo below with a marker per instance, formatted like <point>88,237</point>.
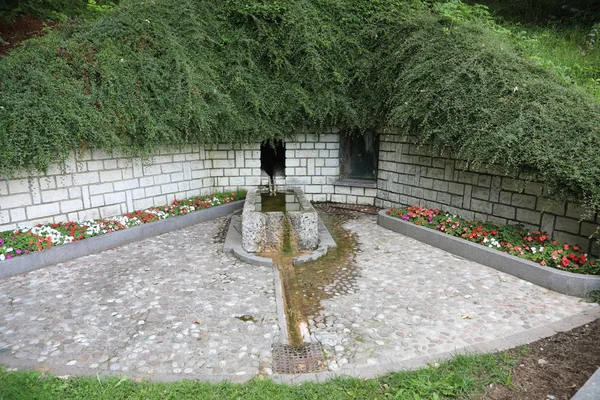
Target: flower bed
<point>22,241</point>
<point>512,239</point>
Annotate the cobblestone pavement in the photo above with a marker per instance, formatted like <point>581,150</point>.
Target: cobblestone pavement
<point>415,301</point>
<point>175,306</point>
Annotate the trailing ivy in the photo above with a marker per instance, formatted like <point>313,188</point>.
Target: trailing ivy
<point>161,72</point>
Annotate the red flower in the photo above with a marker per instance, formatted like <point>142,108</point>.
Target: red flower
<point>543,262</point>
<point>565,261</point>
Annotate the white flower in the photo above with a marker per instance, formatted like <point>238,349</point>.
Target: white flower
<point>2,257</point>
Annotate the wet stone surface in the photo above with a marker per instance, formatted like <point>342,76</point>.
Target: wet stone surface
<point>175,305</point>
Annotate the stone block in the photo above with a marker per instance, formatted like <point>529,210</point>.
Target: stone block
<point>513,185</point>
<point>43,210</point>
<point>110,211</point>
<point>436,173</point>
<point>523,201</point>
<point>564,237</point>
<point>49,196</point>
<point>456,188</point>
<point>426,183</point>
<point>547,224</point>
<point>110,176</point>
<point>114,198</point>
<point>579,212</point>
<point>481,206</point>
<point>71,205</point>
<point>480,193</point>
<point>467,197</point>
<point>16,215</point>
<point>46,183</point>
<point>468,177</point>
<point>330,171</point>
<point>338,198</point>
<point>551,206</point>
<point>441,186</point>
<point>456,201</point>
<point>531,217</point>
<point>64,181</point>
<point>430,195</point>
<point>357,191</point>
<point>16,186</point>
<point>485,181</point>
<point>504,211</point>
<point>589,228</point>
<point>505,197</point>
<point>97,200</point>
<point>216,154</point>
<point>567,225</point>
<point>370,192</point>
<point>16,201</point>
<point>101,188</point>
<point>534,188</point>
<point>127,184</point>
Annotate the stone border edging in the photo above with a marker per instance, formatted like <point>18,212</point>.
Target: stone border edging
<point>564,282</point>
<point>591,388</point>
<point>96,244</point>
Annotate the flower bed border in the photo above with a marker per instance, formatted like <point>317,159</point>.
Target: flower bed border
<point>96,244</point>
<point>564,282</point>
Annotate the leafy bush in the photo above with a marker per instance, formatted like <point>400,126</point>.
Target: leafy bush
<point>164,72</point>
<point>54,9</point>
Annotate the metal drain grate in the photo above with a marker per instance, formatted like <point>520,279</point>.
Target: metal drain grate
<point>301,359</point>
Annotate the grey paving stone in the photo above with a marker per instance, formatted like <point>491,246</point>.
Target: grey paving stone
<point>165,308</point>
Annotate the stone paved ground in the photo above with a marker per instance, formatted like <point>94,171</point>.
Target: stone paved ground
<point>414,300</point>
<point>175,306</point>
<point>163,306</point>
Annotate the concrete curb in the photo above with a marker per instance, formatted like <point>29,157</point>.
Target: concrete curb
<point>96,244</point>
<point>564,282</point>
<point>591,389</point>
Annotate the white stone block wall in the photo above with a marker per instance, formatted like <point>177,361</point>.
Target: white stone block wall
<point>313,164</point>
<point>97,184</point>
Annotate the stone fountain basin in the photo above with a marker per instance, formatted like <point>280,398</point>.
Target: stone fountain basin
<point>261,231</point>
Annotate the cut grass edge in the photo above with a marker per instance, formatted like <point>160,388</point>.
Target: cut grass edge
<point>463,375</point>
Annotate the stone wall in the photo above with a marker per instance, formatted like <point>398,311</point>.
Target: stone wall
<point>96,184</point>
<point>313,163</point>
<point>414,175</point>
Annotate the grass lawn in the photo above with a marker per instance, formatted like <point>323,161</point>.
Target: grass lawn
<point>464,375</point>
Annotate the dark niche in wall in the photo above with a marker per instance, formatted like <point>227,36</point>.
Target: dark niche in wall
<point>359,155</point>
<point>272,158</point>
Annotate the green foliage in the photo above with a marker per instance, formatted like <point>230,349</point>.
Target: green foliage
<point>164,72</point>
<point>463,375</point>
<point>594,296</point>
<point>58,10</point>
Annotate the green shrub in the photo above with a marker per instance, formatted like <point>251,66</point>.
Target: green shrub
<point>164,72</point>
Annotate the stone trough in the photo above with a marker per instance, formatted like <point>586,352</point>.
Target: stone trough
<point>263,229</point>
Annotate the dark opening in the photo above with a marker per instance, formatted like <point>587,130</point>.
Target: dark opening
<point>272,158</point>
<point>358,156</point>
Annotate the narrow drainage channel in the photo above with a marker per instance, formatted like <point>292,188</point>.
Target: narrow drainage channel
<point>305,287</point>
